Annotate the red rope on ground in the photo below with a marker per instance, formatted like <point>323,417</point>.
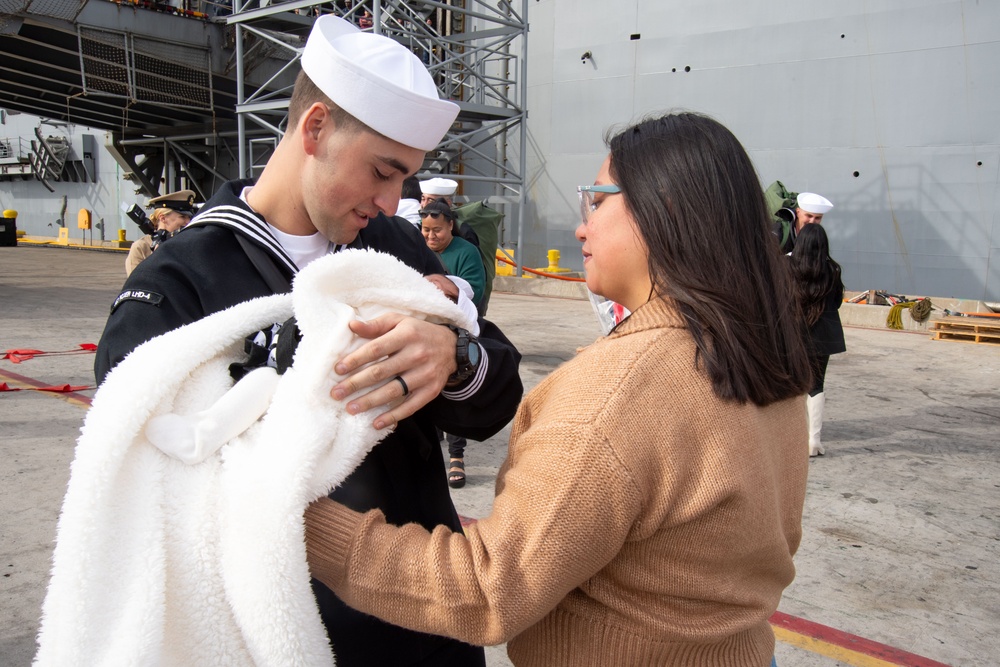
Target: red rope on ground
<point>60,389</point>
<point>64,392</point>
<point>542,273</point>
<point>17,356</point>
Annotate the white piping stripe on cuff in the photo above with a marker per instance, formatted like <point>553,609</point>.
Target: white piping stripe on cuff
<point>477,380</point>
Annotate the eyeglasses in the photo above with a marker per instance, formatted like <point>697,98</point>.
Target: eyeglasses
<point>434,214</point>
<point>586,193</point>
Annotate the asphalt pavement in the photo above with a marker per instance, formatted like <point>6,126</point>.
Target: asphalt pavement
<point>902,517</point>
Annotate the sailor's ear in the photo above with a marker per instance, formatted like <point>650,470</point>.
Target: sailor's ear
<point>312,123</point>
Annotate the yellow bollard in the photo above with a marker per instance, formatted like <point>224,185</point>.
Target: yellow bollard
<point>121,235</point>
<point>553,256</point>
<point>553,266</point>
<point>503,268</point>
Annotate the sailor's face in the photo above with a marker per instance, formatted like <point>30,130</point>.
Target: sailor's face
<point>354,175</point>
<point>803,218</point>
<point>427,199</point>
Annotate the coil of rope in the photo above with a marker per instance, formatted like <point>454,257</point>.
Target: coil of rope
<point>919,311</point>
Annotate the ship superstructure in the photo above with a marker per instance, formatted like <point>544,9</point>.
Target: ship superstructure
<point>887,108</point>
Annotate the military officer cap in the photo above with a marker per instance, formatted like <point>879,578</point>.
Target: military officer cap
<point>182,201</point>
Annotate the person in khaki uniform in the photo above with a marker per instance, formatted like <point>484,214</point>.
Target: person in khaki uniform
<point>171,213</point>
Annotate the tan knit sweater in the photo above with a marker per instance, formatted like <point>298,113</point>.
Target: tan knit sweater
<point>638,520</point>
<point>140,250</point>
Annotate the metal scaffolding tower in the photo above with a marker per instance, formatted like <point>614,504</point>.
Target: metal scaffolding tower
<point>476,51</point>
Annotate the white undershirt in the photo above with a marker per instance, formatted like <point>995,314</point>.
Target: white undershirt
<point>306,249</point>
<point>302,249</point>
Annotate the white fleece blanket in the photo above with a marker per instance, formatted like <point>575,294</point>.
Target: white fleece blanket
<point>162,562</point>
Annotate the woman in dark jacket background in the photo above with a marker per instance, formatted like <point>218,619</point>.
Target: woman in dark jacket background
<point>820,291</point>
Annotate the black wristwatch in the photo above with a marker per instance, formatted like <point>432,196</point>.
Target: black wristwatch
<point>467,355</point>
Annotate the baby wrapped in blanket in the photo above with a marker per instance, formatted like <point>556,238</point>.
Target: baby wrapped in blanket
<point>181,538</point>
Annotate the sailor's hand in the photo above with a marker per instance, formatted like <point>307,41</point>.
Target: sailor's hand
<point>415,356</point>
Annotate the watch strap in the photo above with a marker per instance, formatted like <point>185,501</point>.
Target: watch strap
<point>465,368</point>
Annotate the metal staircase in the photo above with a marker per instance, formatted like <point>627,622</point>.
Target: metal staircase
<point>49,159</point>
<point>189,99</point>
<point>153,76</point>
<point>48,156</point>
<point>474,49</point>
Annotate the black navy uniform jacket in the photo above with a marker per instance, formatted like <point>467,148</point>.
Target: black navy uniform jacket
<point>204,269</point>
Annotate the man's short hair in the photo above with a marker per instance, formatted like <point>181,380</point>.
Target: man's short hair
<point>306,93</point>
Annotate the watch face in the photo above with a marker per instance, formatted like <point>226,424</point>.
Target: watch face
<point>474,354</point>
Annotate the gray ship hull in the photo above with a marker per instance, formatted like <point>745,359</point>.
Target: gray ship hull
<point>890,109</point>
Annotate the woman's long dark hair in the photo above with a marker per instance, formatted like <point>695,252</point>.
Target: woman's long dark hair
<point>699,206</point>
<point>816,274</point>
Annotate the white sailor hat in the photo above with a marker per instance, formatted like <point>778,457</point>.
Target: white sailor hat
<point>378,81</point>
<point>181,201</point>
<point>810,202</point>
<point>441,187</point>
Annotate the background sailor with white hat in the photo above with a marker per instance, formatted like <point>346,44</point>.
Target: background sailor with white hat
<point>438,188</point>
<point>363,113</point>
<point>810,209</point>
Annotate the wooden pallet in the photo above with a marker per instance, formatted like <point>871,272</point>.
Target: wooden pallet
<point>967,330</point>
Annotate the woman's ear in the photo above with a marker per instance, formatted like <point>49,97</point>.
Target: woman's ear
<point>311,125</point>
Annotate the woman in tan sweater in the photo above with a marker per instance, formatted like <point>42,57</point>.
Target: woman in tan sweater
<point>651,500</point>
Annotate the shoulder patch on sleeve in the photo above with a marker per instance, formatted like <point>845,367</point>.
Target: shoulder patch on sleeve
<point>145,296</point>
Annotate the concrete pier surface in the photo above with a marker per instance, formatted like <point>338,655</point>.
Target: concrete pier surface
<point>900,559</point>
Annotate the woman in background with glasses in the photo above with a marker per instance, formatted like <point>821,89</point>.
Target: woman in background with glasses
<point>651,500</point>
